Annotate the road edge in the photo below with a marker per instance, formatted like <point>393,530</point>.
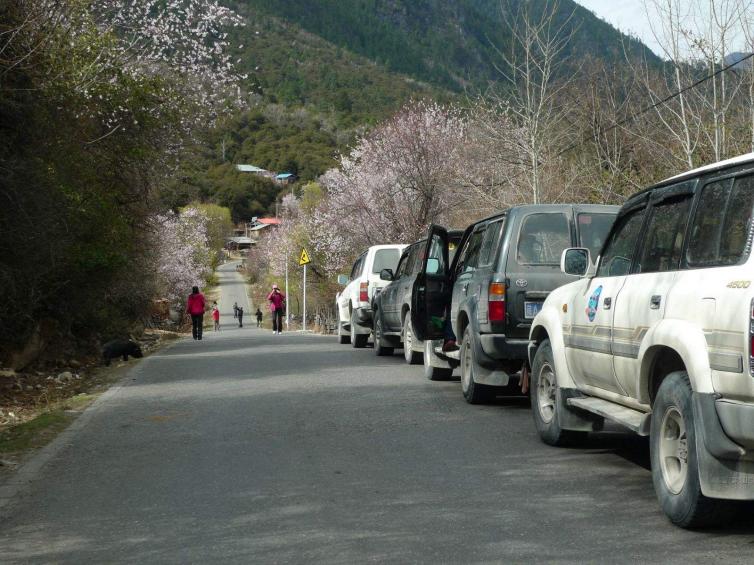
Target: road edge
<point>23,477</point>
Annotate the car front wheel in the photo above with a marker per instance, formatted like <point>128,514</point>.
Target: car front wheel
<point>544,399</point>
<point>379,348</point>
<point>412,357</point>
<point>434,373</point>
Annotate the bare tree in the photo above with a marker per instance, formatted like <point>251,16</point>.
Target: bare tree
<point>746,13</point>
<point>495,158</point>
<point>532,69</point>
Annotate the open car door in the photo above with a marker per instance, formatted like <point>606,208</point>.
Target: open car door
<point>432,291</point>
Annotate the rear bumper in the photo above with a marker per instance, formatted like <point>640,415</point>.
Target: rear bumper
<point>725,446</point>
<point>737,421</point>
<point>496,347</point>
<point>363,318</point>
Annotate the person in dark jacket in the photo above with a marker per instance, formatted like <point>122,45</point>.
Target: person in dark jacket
<point>196,306</point>
<point>259,318</point>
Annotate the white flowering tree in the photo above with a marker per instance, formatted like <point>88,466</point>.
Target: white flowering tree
<point>182,254</point>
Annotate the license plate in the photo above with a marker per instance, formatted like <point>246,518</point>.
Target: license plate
<point>531,309</point>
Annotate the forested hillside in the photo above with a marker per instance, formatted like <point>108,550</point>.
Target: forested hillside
<point>454,45</point>
<point>288,65</point>
<point>319,73</point>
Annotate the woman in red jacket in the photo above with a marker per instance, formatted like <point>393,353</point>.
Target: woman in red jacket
<point>195,306</point>
<point>277,307</point>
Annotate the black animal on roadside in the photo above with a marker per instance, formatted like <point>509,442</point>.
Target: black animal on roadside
<point>120,348</point>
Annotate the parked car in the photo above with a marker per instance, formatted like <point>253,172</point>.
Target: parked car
<point>354,303</point>
<point>659,337</point>
<point>504,269</point>
<point>392,319</point>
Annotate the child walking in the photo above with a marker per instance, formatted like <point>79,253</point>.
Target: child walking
<point>216,317</point>
<point>259,318</point>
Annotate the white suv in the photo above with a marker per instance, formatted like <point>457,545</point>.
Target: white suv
<point>354,304</point>
<point>659,337</point>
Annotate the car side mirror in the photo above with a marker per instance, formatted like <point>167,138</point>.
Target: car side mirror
<point>343,279</point>
<point>576,261</point>
<point>386,274</point>
<point>433,266</point>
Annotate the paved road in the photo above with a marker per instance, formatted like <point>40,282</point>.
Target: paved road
<point>253,448</point>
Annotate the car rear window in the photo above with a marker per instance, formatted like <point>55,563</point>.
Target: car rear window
<point>593,230</point>
<point>385,259</point>
<point>543,238</point>
<point>722,225</point>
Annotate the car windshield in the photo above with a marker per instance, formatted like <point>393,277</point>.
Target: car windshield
<point>385,259</point>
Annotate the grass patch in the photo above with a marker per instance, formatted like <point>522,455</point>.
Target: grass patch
<point>41,430</point>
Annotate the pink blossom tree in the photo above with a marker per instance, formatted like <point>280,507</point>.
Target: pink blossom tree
<point>397,180</point>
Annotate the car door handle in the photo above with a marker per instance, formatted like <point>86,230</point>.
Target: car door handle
<point>608,303</point>
<point>654,302</point>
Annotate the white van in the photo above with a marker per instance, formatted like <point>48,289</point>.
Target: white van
<point>354,303</point>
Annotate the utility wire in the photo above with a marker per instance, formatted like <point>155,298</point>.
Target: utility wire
<point>658,103</point>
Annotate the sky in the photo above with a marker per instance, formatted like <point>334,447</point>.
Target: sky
<point>630,17</point>
<point>626,15</point>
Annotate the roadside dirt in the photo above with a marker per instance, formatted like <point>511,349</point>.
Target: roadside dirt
<point>36,406</point>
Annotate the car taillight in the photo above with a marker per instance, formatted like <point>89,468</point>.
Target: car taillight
<point>496,302</point>
<point>364,292</point>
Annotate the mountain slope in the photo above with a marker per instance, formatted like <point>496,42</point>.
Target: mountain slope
<point>449,44</point>
<point>293,67</point>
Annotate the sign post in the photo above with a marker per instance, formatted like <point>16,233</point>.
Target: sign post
<point>304,260</point>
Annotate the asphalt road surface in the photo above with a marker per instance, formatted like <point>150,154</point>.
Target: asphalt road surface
<point>248,447</point>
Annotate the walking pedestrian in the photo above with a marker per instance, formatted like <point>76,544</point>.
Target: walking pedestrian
<point>216,317</point>
<point>235,309</point>
<point>240,317</point>
<point>195,306</point>
<point>277,308</point>
<point>259,318</point>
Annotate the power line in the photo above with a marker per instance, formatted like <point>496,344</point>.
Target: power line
<point>659,102</point>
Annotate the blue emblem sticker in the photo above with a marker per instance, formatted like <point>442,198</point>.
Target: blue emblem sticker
<point>593,304</point>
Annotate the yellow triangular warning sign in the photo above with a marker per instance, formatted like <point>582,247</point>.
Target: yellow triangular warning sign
<point>304,259</point>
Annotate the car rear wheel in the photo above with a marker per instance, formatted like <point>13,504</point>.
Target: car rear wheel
<point>473,392</point>
<point>379,348</point>
<point>412,357</point>
<point>357,340</point>
<point>675,465</point>
<point>544,399</point>
<point>434,373</point>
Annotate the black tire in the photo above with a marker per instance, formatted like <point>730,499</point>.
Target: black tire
<point>380,349</point>
<point>679,490</point>
<point>411,357</point>
<point>544,400</point>
<point>434,373</point>
<point>343,339</point>
<point>473,392</point>
<point>357,340</point>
